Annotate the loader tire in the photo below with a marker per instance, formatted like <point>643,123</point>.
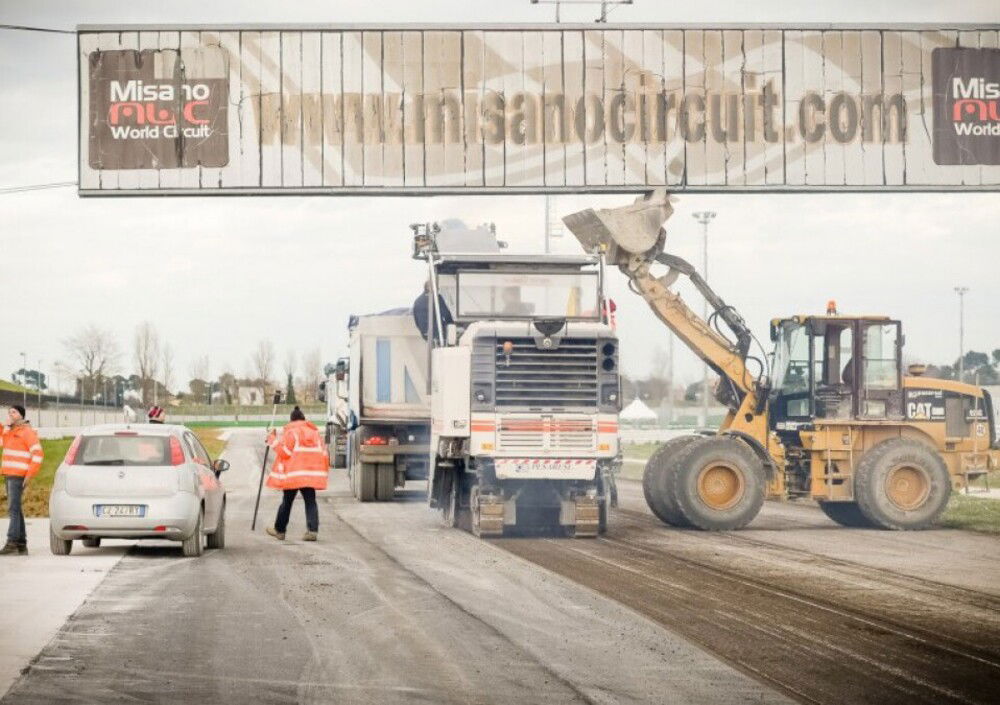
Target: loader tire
<point>718,484</point>
<point>385,484</point>
<point>846,514</point>
<point>655,480</point>
<point>902,485</point>
<point>366,482</point>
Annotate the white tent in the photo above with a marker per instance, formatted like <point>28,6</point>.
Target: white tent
<point>638,412</point>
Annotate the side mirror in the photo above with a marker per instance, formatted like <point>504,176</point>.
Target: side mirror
<point>220,466</point>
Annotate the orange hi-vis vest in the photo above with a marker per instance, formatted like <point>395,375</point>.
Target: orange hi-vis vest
<point>22,453</point>
<point>300,459</point>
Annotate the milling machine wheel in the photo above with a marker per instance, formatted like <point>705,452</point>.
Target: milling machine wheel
<point>718,483</point>
<point>846,514</point>
<point>656,485</point>
<point>385,484</point>
<point>366,482</point>
<point>486,514</point>
<point>902,484</point>
<point>588,518</point>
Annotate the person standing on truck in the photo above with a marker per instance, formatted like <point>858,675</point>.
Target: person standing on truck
<point>301,466</point>
<point>22,458</point>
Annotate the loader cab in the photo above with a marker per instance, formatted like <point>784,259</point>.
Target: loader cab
<point>835,367</point>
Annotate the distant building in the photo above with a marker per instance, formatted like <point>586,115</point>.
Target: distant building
<point>251,396</point>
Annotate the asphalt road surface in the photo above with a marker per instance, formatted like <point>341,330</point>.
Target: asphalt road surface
<point>823,613</point>
<point>387,607</point>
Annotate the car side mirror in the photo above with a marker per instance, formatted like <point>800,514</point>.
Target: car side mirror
<point>220,466</point>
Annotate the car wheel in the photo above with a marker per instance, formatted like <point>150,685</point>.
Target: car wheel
<point>218,539</point>
<point>92,543</point>
<point>58,546</point>
<point>194,545</point>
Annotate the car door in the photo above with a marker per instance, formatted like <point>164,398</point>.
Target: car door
<point>209,482</point>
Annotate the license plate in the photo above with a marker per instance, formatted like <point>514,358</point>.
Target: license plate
<point>529,465</point>
<point>120,510</point>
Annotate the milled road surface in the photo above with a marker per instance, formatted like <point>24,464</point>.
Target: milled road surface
<point>388,607</point>
<point>824,613</point>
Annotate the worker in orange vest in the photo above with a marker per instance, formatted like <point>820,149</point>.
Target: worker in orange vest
<point>22,458</point>
<point>300,465</point>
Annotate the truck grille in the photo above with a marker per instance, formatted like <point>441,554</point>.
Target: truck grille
<point>547,434</point>
<point>561,377</point>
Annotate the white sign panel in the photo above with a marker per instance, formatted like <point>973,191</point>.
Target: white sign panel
<point>537,108</point>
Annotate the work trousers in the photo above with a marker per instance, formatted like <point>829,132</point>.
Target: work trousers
<point>16,533</point>
<point>285,510</point>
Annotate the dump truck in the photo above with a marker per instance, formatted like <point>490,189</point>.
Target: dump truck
<point>835,418</point>
<point>525,388</point>
<point>387,405</point>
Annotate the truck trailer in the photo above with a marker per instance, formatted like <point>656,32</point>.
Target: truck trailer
<point>387,404</point>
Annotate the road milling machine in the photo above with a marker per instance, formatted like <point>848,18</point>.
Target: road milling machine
<point>829,416</point>
<point>525,388</point>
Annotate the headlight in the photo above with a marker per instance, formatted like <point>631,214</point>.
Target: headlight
<point>482,393</point>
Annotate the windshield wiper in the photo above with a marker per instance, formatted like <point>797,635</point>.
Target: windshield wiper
<point>119,461</point>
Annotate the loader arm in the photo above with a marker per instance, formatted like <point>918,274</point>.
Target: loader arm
<point>632,238</point>
<point>726,358</point>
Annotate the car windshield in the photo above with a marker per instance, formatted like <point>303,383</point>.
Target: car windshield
<point>528,295</point>
<point>123,450</point>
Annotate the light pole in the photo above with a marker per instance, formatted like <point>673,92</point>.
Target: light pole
<point>961,291</point>
<point>24,380</point>
<point>704,217</point>
<point>38,383</point>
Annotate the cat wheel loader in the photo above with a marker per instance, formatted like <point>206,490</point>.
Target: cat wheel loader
<point>831,416</point>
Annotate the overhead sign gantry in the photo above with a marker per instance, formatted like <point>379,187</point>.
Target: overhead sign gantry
<point>537,108</point>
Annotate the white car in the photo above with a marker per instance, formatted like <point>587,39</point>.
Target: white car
<point>138,481</point>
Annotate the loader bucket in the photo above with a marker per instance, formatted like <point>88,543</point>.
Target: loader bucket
<point>623,232</point>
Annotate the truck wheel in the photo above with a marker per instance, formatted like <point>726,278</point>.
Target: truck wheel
<point>386,482</point>
<point>655,480</point>
<point>718,484</point>
<point>902,484</point>
<point>846,514</point>
<point>366,481</point>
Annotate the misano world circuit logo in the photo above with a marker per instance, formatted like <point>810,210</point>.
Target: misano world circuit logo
<point>148,112</point>
<point>966,106</point>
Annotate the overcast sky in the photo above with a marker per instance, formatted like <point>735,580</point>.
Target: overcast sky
<point>215,275</point>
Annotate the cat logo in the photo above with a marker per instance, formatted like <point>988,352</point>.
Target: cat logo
<point>918,410</point>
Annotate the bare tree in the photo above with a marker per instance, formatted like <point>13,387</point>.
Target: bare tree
<point>312,373</point>
<point>146,352</point>
<point>262,362</point>
<point>167,366</point>
<point>291,362</point>
<point>95,352</point>
<point>199,367</point>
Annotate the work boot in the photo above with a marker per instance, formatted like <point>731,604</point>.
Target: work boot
<point>22,549</point>
<point>310,536</point>
<point>9,549</point>
<point>280,535</point>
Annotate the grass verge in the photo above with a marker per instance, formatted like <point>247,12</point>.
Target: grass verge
<point>209,437</point>
<point>35,502</point>
<point>972,514</point>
